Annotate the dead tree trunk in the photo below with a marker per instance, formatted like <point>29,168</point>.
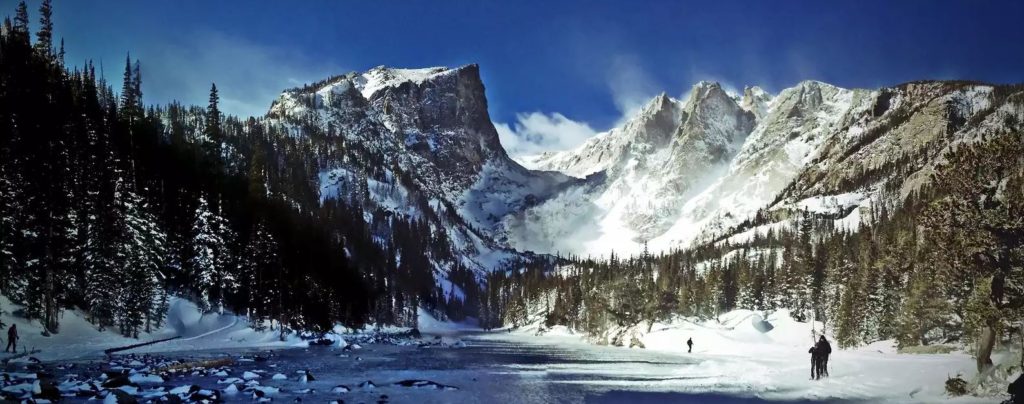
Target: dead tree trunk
<point>985,345</point>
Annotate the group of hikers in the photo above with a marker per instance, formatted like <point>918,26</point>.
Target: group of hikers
<point>819,356</point>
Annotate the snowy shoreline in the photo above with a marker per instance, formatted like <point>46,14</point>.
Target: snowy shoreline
<point>775,365</point>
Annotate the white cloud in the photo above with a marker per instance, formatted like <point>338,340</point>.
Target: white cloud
<point>630,85</point>
<point>248,75</point>
<point>538,132</point>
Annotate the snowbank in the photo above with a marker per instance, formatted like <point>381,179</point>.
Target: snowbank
<point>77,338</point>
<point>428,324</point>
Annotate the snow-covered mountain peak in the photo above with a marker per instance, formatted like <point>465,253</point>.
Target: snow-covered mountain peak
<point>380,77</point>
<point>656,104</point>
<point>704,89</point>
<point>756,100</point>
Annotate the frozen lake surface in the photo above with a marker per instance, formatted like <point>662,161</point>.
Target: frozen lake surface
<point>731,362</point>
<point>491,368</point>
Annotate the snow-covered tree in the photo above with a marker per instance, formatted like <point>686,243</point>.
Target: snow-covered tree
<point>211,261</point>
<point>260,275</point>
<point>142,255</point>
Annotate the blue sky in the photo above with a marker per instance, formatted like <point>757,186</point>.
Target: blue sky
<point>559,69</point>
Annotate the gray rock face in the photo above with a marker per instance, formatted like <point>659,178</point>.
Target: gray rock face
<point>421,144</point>
<point>678,172</point>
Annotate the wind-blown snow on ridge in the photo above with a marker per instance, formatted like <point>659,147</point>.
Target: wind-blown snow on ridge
<point>813,140</point>
<point>676,173</point>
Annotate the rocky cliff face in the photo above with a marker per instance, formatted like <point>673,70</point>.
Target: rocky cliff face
<point>421,144</point>
<point>678,172</point>
<point>814,146</point>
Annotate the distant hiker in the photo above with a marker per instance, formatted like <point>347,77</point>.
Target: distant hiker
<point>689,344</point>
<point>12,338</point>
<point>814,361</point>
<point>823,349</point>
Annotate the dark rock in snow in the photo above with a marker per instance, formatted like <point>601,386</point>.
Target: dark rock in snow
<point>122,397</point>
<point>205,395</point>
<point>367,385</point>
<point>425,384</point>
<point>117,381</point>
<point>48,391</point>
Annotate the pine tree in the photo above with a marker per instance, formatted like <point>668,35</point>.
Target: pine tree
<point>213,133</point>
<point>44,37</point>
<point>20,28</point>
<point>980,213</point>
<point>261,275</point>
<point>142,256</point>
<point>212,273</point>
<point>923,312</point>
<point>130,109</point>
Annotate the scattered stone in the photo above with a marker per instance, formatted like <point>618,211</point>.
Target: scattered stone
<point>187,389</point>
<point>367,385</point>
<point>119,397</point>
<point>48,391</point>
<point>116,381</point>
<point>339,389</point>
<point>230,380</point>
<point>425,384</point>
<point>142,378</point>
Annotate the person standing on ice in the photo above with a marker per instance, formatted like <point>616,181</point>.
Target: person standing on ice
<point>822,349</point>
<point>689,345</point>
<point>12,338</point>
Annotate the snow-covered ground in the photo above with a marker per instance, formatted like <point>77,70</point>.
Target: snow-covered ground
<point>732,361</point>
<point>731,356</point>
<point>79,339</point>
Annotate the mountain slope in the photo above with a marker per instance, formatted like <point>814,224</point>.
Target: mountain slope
<point>813,146</point>
<point>418,143</point>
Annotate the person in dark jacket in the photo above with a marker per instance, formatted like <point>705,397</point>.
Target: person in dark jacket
<point>823,349</point>
<point>689,345</point>
<point>1016,390</point>
<point>12,338</point>
<point>814,361</point>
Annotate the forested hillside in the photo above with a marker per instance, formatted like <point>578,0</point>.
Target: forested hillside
<point>941,261</point>
<point>109,206</point>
